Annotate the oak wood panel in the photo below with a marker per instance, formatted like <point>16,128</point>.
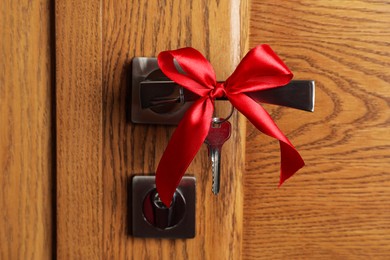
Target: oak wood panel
<point>79,129</point>
<point>144,28</point>
<point>25,130</point>
<point>338,206</point>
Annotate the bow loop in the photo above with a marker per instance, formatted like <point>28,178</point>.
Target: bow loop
<point>260,69</point>
<point>192,70</point>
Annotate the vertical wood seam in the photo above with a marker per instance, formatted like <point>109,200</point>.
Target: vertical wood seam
<point>53,108</point>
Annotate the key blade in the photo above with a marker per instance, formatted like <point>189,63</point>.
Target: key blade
<point>216,168</point>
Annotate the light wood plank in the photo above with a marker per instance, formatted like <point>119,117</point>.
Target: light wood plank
<point>79,129</point>
<point>25,130</point>
<point>338,207</point>
<point>144,28</point>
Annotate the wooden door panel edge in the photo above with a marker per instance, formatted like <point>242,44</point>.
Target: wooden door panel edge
<point>26,159</point>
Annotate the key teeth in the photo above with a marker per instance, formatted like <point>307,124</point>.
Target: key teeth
<point>213,178</point>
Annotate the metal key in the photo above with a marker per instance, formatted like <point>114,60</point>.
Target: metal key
<point>218,134</point>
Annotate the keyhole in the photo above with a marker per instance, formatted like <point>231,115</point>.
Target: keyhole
<point>159,204</point>
<point>158,215</point>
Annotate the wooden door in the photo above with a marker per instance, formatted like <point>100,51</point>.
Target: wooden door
<point>335,207</point>
<point>338,206</point>
<point>98,149</point>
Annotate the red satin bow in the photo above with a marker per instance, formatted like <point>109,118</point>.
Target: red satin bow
<point>260,69</point>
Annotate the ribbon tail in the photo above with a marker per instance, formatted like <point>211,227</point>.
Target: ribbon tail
<point>182,148</point>
<point>291,160</point>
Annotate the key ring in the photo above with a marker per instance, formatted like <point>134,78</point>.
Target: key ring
<point>218,121</point>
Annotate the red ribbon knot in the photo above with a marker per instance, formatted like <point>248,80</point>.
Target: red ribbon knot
<point>259,70</point>
<point>218,91</point>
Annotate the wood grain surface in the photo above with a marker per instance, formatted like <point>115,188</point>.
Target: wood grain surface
<point>79,129</point>
<point>98,149</point>
<point>144,28</point>
<point>338,206</point>
<point>25,130</point>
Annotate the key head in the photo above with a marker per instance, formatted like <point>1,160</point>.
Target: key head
<point>218,134</point>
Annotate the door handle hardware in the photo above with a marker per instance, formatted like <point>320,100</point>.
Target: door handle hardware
<point>163,106</point>
<point>151,218</point>
<point>158,100</point>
